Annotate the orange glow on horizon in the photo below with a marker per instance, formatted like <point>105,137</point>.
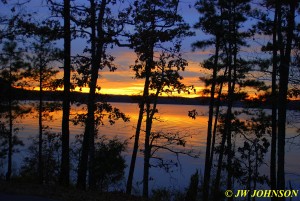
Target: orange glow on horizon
<point>128,91</point>
<point>134,90</point>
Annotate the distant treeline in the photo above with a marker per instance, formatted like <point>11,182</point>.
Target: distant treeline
<point>22,94</point>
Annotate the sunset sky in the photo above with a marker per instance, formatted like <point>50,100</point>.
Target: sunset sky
<point>122,81</point>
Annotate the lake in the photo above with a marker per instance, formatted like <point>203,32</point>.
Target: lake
<point>171,118</point>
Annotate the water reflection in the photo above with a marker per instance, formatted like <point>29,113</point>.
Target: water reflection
<point>171,118</point>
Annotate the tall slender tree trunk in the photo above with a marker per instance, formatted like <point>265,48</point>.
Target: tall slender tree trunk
<point>219,168</point>
<point>228,122</point>
<point>249,174</point>
<point>92,100</point>
<point>92,133</point>
<point>40,165</point>
<point>150,115</point>
<point>136,137</point>
<point>88,146</point>
<point>233,50</point>
<point>226,136</point>
<point>99,45</point>
<point>89,122</point>
<point>147,153</point>
<point>10,136</point>
<point>82,167</point>
<point>216,120</point>
<point>148,127</point>
<point>208,159</point>
<point>229,144</point>
<point>65,156</point>
<point>282,94</point>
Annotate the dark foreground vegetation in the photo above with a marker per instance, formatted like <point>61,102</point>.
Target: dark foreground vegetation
<point>61,193</point>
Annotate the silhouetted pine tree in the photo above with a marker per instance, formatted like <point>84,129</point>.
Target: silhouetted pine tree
<point>101,28</point>
<point>12,67</point>
<point>158,29</point>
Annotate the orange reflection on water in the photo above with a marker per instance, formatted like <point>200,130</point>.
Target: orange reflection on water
<point>171,118</point>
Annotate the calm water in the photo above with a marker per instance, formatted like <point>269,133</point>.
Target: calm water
<point>172,118</point>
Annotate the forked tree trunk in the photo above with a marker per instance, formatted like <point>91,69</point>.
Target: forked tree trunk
<point>149,120</point>
<point>137,136</point>
<point>226,135</point>
<point>216,121</point>
<point>88,146</point>
<point>208,159</point>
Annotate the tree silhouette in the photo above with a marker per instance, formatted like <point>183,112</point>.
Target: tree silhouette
<point>283,36</point>
<point>65,162</point>
<point>255,131</point>
<point>103,30</point>
<point>12,67</point>
<point>158,29</point>
<point>223,20</point>
<point>43,54</point>
<point>210,22</point>
<point>285,47</point>
<point>64,10</point>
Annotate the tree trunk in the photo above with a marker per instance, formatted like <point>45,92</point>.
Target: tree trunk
<point>89,122</point>
<point>249,175</point>
<point>135,149</point>
<point>282,94</point>
<point>10,136</point>
<point>91,100</point>
<point>147,153</point>
<point>226,134</point>
<point>216,121</point>
<point>88,146</point>
<point>136,137</point>
<point>150,115</point>
<point>82,166</point>
<point>65,157</point>
<point>208,159</point>
<point>219,168</point>
<point>40,165</point>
